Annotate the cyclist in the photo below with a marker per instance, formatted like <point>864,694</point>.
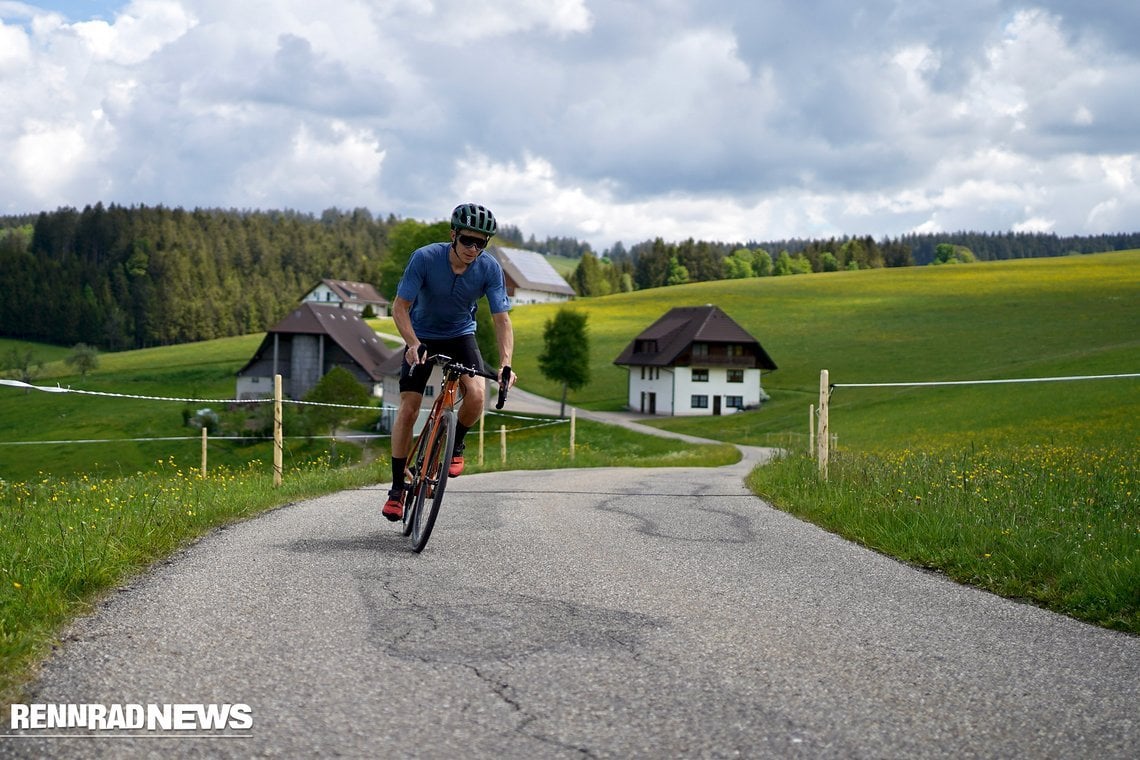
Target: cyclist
<point>434,311</point>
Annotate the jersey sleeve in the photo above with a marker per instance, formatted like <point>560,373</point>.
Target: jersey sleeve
<point>497,292</point>
<point>413,279</point>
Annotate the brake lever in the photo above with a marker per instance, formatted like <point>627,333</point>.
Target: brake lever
<point>504,385</point>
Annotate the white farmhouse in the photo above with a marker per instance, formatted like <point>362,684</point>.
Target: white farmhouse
<point>529,277</point>
<point>695,360</point>
<point>356,296</point>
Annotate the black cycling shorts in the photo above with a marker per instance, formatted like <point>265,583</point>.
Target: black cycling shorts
<point>463,349</point>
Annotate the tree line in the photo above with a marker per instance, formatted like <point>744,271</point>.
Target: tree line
<point>657,263</point>
<point>116,277</point>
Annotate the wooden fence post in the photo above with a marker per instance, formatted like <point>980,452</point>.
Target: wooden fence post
<point>573,429</point>
<point>482,424</point>
<point>278,432</point>
<point>811,430</point>
<point>823,437</point>
<point>204,434</point>
<point>503,443</point>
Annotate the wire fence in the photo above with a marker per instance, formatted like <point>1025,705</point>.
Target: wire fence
<point>529,422</point>
<point>822,437</point>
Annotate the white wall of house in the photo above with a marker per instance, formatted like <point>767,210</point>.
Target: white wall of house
<point>525,296</point>
<point>694,391</point>
<point>322,294</point>
<point>254,387</point>
<point>647,381</point>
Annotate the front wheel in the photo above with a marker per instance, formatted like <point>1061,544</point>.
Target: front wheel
<point>432,480</point>
<point>416,461</point>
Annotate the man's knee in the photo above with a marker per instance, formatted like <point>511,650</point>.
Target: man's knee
<point>409,406</point>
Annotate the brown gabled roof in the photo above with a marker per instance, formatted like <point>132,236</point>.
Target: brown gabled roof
<point>343,326</point>
<point>670,338</point>
<point>355,292</point>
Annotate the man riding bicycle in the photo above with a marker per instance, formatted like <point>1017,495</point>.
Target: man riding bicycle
<point>434,311</point>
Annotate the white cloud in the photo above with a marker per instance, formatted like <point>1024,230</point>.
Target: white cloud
<point>137,33</point>
<point>336,162</point>
<point>605,121</point>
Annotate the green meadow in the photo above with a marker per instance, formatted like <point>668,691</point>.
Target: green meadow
<point>1031,318</point>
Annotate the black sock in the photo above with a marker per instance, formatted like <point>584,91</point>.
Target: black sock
<point>460,432</point>
<point>398,465</point>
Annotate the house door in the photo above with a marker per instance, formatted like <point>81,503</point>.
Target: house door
<point>716,405</point>
<point>649,402</point>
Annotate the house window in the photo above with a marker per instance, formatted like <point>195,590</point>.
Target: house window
<point>700,349</point>
<point>735,349</point>
<point>700,402</point>
<point>429,391</point>
<point>700,376</point>
<point>736,376</point>
<point>734,402</point>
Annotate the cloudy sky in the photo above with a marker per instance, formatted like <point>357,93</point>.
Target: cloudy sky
<point>604,120</point>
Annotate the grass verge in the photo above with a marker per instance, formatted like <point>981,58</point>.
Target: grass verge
<point>1058,526</point>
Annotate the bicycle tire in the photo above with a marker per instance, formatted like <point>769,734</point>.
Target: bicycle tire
<point>432,481</point>
<point>416,465</point>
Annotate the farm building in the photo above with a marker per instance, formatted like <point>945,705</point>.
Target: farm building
<point>695,360</point>
<point>529,277</point>
<point>305,345</point>
<point>357,296</point>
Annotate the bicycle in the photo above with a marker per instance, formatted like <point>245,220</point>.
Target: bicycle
<point>427,471</point>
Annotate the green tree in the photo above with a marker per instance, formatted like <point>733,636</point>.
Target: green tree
<point>23,364</point>
<point>678,273</point>
<point>761,263</point>
<point>83,359</point>
<point>403,240</point>
<point>589,278</point>
<point>783,264</point>
<point>338,386</point>
<point>946,253</point>
<point>565,357</point>
<point>738,266</point>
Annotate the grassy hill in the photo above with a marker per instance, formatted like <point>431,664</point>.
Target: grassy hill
<point>1029,318</point>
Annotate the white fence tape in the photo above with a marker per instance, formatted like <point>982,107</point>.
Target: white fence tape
<point>58,389</point>
<point>984,382</point>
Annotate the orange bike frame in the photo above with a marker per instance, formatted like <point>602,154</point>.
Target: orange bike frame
<point>448,398</point>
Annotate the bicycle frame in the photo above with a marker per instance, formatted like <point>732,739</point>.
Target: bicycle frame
<point>427,470</point>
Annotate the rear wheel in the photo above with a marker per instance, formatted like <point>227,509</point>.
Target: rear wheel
<point>432,480</point>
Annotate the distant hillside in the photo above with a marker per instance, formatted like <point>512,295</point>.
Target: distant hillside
<point>1072,315</point>
<point>1032,318</point>
<point>120,278</point>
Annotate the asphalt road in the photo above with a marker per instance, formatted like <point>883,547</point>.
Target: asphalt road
<point>620,613</point>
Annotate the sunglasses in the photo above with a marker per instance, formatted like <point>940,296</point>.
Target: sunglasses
<point>471,241</point>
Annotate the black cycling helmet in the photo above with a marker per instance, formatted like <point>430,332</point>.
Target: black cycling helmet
<point>472,216</point>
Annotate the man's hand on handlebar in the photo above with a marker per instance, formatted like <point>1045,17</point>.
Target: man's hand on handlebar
<point>416,354</point>
<point>511,376</point>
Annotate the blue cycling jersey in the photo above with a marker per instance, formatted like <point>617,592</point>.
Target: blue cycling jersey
<point>444,303</point>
